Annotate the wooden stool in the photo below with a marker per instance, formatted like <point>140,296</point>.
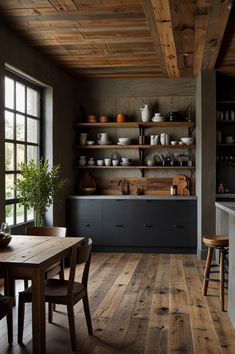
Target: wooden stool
<point>220,242</point>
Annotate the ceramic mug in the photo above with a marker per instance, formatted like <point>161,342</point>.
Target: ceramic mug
<point>103,137</point>
<point>107,162</point>
<point>83,138</point>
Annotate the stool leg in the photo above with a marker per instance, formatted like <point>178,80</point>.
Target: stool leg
<point>207,270</point>
<point>222,280</point>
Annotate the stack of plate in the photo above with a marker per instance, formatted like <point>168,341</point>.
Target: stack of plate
<point>158,119</point>
<point>124,141</point>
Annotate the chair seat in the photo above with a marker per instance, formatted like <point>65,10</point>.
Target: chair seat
<point>55,288</point>
<point>216,240</point>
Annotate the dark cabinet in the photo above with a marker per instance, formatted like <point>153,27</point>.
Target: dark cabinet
<point>165,223</point>
<point>162,224</point>
<point>117,222</point>
<point>84,218</point>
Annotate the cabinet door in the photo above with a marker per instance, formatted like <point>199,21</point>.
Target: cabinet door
<point>84,218</point>
<point>165,223</point>
<point>147,223</point>
<point>181,228</point>
<point>117,223</point>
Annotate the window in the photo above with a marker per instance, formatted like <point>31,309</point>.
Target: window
<point>22,139</point>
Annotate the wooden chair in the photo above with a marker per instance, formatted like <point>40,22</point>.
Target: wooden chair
<point>6,310</point>
<point>65,292</point>
<point>57,268</point>
<point>220,242</point>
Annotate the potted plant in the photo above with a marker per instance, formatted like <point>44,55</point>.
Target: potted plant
<point>38,186</point>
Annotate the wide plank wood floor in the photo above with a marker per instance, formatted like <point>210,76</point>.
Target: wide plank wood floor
<point>140,303</point>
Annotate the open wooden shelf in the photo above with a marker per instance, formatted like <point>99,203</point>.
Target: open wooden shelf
<point>138,167</point>
<point>135,124</point>
<point>115,146</point>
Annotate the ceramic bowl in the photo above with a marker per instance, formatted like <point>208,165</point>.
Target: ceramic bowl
<point>100,162</point>
<point>187,140</point>
<point>174,142</point>
<point>88,190</point>
<point>124,140</point>
<point>115,162</point>
<point>90,142</point>
<point>126,159</point>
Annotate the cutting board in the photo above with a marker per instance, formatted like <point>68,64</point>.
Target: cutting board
<point>183,184</point>
<point>87,181</point>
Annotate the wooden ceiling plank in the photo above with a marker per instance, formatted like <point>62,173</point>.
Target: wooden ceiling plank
<point>217,21</point>
<point>162,15</point>
<point>63,5</point>
<point>24,4</point>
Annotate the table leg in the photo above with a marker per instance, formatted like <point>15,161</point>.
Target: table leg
<point>38,312</point>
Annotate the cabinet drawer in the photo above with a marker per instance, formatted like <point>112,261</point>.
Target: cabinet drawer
<point>84,210</point>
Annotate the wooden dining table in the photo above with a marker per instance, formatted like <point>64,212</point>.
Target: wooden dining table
<point>30,257</point>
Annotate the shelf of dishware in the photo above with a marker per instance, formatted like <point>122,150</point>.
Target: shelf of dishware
<point>187,124</point>
<point>138,167</point>
<point>137,146</point>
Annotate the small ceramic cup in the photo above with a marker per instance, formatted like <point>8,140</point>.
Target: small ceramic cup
<point>107,162</point>
<point>100,162</point>
<point>115,162</point>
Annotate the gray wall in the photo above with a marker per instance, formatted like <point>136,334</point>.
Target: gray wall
<point>18,54</point>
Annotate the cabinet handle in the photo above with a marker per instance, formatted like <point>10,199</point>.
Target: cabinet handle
<point>148,225</point>
<point>119,225</point>
<point>178,226</point>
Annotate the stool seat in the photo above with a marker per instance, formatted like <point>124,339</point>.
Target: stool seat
<point>220,242</point>
<point>216,240</point>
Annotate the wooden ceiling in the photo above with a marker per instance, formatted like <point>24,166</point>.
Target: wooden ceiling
<point>125,38</point>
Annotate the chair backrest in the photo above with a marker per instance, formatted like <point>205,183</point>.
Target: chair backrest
<point>80,254</point>
<point>46,231</point>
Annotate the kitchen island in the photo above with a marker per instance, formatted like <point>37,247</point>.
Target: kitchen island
<point>225,224</point>
<point>135,223</point>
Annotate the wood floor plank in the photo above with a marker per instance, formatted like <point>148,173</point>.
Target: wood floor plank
<point>140,304</point>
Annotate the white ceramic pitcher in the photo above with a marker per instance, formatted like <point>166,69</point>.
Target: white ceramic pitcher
<point>145,113</point>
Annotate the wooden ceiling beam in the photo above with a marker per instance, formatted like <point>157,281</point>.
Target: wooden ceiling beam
<point>150,18</point>
<point>217,21</point>
<point>162,14</point>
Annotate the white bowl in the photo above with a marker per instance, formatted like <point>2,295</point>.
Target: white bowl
<point>90,142</point>
<point>115,162</point>
<point>100,162</point>
<point>125,159</point>
<point>174,142</point>
<point>124,140</point>
<point>187,140</point>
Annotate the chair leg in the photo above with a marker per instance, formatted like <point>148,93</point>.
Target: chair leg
<point>10,327</point>
<point>72,329</point>
<point>21,309</point>
<point>87,314</point>
<point>50,312</point>
<point>207,270</point>
<point>26,284</point>
<point>222,280</point>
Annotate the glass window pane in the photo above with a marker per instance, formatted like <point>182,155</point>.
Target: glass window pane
<point>20,127</point>
<point>20,155</point>
<point>32,153</point>
<point>30,214</point>
<point>9,214</point>
<point>9,125</point>
<point>9,156</point>
<point>19,213</point>
<point>9,93</point>
<point>32,102</point>
<point>32,130</point>
<point>20,97</point>
<point>18,176</point>
<point>9,184</point>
